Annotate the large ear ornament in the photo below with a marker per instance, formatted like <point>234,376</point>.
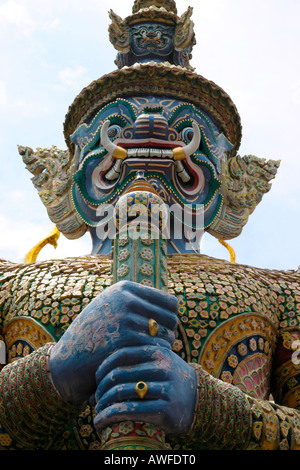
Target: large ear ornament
<point>184,32</point>
<point>245,181</point>
<point>119,33</point>
<point>52,171</point>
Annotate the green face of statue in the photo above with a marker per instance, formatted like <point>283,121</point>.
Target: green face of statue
<point>173,144</point>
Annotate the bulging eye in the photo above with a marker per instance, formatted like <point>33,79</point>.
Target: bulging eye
<point>114,131</point>
<point>187,134</point>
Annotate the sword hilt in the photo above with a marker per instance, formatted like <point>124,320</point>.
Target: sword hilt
<point>139,255</point>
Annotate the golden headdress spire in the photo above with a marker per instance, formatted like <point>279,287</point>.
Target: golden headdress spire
<point>154,32</point>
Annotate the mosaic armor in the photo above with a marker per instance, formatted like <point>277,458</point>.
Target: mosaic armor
<point>238,323</point>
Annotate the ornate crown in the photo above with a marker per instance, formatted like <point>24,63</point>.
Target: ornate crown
<point>153,32</point>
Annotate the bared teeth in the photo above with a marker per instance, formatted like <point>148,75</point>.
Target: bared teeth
<point>131,153</point>
<point>149,152</point>
<point>167,153</point>
<point>143,152</point>
<point>155,153</point>
<point>146,152</point>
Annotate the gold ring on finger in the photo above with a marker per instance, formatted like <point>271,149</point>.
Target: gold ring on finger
<point>153,327</point>
<point>141,389</point>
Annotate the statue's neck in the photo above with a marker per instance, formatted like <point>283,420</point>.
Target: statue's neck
<point>104,246</point>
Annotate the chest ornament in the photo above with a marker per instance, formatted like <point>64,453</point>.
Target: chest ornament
<point>23,336</point>
<point>239,352</point>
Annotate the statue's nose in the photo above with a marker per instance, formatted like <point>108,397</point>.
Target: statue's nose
<point>153,126</point>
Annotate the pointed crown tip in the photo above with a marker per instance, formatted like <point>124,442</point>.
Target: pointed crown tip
<point>169,5</point>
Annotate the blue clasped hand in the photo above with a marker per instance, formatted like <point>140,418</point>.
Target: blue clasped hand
<point>171,389</point>
<point>118,318</point>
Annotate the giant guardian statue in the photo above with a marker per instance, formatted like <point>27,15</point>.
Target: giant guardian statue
<point>146,343</point>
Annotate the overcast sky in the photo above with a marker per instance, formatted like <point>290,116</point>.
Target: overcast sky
<point>51,49</point>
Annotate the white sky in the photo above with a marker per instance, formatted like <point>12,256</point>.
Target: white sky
<point>51,49</point>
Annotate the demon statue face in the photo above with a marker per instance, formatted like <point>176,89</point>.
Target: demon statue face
<point>173,144</point>
<point>154,119</point>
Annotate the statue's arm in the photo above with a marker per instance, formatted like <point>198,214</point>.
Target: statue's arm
<point>42,392</point>
<point>227,418</point>
<point>32,412</point>
<point>286,377</point>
